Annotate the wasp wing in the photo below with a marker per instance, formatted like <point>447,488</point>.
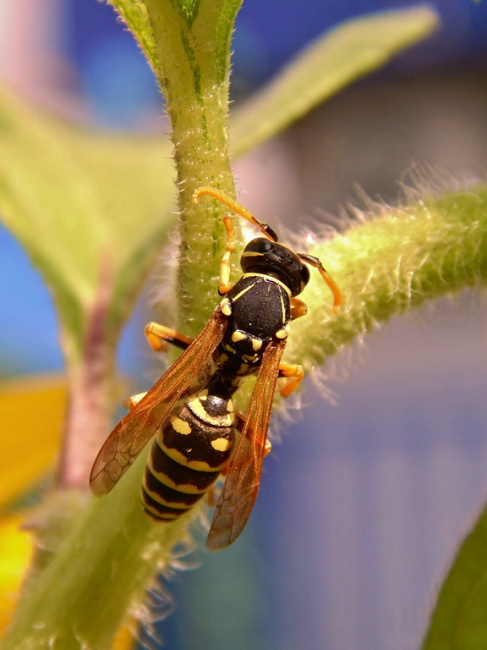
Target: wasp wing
<point>242,483</point>
<point>134,430</point>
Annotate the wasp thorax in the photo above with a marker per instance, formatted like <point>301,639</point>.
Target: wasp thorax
<point>270,258</point>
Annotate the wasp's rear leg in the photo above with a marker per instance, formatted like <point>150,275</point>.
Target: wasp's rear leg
<point>158,335</point>
<point>239,424</point>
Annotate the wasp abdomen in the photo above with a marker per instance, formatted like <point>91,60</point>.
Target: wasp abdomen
<point>187,455</point>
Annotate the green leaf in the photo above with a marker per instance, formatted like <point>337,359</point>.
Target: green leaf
<point>91,210</point>
<point>135,16</point>
<point>335,60</point>
<point>459,621</point>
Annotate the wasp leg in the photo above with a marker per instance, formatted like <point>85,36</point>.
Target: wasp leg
<point>298,308</point>
<point>225,265</point>
<point>239,423</point>
<point>295,373</point>
<point>135,399</point>
<point>211,496</point>
<point>158,335</point>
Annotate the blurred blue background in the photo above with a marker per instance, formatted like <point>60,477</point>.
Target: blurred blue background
<point>363,502</point>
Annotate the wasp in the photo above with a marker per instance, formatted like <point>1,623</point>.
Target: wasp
<point>189,412</point>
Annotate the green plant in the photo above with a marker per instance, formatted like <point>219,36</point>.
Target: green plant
<point>88,211</point>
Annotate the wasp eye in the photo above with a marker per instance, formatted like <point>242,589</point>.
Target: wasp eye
<point>259,245</point>
<point>304,275</point>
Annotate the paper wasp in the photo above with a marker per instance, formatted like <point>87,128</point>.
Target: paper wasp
<point>189,411</point>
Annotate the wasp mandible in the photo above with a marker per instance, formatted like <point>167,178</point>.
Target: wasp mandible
<point>190,412</point>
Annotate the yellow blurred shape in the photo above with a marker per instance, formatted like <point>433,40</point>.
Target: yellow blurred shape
<point>124,640</point>
<point>31,419</point>
<point>15,552</point>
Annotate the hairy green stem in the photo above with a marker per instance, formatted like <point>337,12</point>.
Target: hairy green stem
<point>399,258</point>
<point>193,47</point>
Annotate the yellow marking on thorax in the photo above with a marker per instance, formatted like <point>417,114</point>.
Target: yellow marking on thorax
<point>250,358</point>
<point>222,358</point>
<point>226,307</point>
<point>270,278</point>
<point>282,333</point>
<point>244,291</point>
<point>238,335</point>
<point>252,254</point>
<point>283,309</point>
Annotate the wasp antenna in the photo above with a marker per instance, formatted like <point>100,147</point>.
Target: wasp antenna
<point>223,197</point>
<point>334,288</point>
<point>332,285</point>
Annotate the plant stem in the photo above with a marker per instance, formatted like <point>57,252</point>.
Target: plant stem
<point>90,381</point>
<point>397,259</point>
<point>194,51</point>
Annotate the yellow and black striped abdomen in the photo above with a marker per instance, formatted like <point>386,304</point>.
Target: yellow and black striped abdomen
<point>187,455</point>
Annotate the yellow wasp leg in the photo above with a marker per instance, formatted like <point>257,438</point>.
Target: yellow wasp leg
<point>158,335</point>
<point>225,264</point>
<point>135,399</point>
<point>298,308</point>
<point>239,423</point>
<point>295,373</point>
<point>268,232</point>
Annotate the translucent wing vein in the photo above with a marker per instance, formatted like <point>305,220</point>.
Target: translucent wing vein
<point>242,484</point>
